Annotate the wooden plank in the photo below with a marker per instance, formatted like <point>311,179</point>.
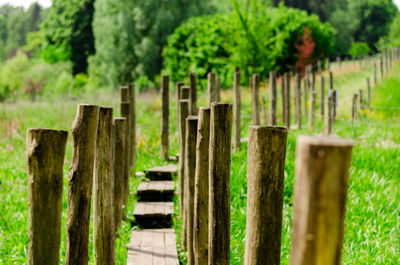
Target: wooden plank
<point>162,185</point>
<point>161,173</point>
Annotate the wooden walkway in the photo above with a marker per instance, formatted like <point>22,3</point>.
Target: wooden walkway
<point>155,242</point>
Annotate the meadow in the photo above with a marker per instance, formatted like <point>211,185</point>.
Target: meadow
<point>373,214</point>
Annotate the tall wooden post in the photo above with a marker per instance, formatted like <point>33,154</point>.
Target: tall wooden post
<point>368,94</point>
<point>45,150</point>
<point>321,184</point>
<point>297,100</point>
<point>119,168</point>
<point>80,184</point>
<point>361,99</point>
<point>381,66</point>
<point>218,89</point>
<point>334,104</point>
<point>354,108</point>
<point>319,67</point>
<point>311,119</point>
<point>283,97</point>
<point>255,111</point>
<point>305,89</point>
<point>272,98</point>
<point>219,181</point>
<point>183,114</point>
<point>322,101</point>
<point>236,108</point>
<point>178,88</point>
<point>190,168</point>
<point>374,74</point>
<point>132,129</point>
<point>329,116</point>
<point>164,116</point>
<point>212,88</point>
<point>125,109</point>
<point>103,191</point>
<point>200,222</point>
<point>265,174</point>
<point>263,111</point>
<point>185,92</point>
<point>287,101</point>
<point>193,94</point>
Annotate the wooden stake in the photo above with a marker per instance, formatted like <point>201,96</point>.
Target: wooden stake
<point>119,168</point>
<point>272,98</point>
<point>212,88</point>
<point>334,104</point>
<point>45,150</point>
<point>283,96</point>
<point>80,184</point>
<point>321,184</point>
<point>265,175</point>
<point>297,95</point>
<point>322,101</point>
<point>305,89</point>
<point>311,119</point>
<point>374,74</point>
<point>164,116</point>
<point>185,92</point>
<point>200,226</point>
<point>183,114</point>
<point>132,129</point>
<point>255,113</point>
<point>381,66</point>
<point>190,168</point>
<point>193,94</point>
<point>361,99</point>
<point>179,86</point>
<point>219,180</point>
<point>263,111</point>
<point>329,116</point>
<point>236,109</point>
<point>125,110</point>
<point>103,187</point>
<point>287,101</point>
<point>354,108</point>
<point>368,94</point>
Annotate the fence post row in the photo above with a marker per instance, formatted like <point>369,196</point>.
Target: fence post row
<point>320,191</point>
<point>80,184</point>
<point>45,151</point>
<point>164,116</point>
<point>219,181</point>
<point>200,225</point>
<point>103,191</point>
<point>265,174</point>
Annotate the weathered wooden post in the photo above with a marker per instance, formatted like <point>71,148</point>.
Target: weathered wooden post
<point>354,108</point>
<point>311,119</point>
<point>200,222</point>
<point>183,114</point>
<point>374,74</point>
<point>193,93</point>
<point>287,101</point>
<point>103,191</point>
<point>212,88</point>
<point>218,89</point>
<point>265,178</point>
<point>45,150</point>
<point>322,101</point>
<point>255,109</point>
<point>132,126</point>
<point>125,110</point>
<point>190,168</point>
<point>329,115</point>
<point>185,92</point>
<point>297,92</point>
<point>283,97</point>
<point>361,99</point>
<point>263,111</point>
<point>319,67</point>
<point>305,96</point>
<point>178,88</point>
<point>164,116</point>
<point>321,184</point>
<point>381,65</point>
<point>272,98</point>
<point>236,109</point>
<point>334,104</point>
<point>219,181</point>
<point>119,168</point>
<point>80,184</point>
<point>368,94</point>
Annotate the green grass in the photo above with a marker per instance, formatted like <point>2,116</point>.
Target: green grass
<point>373,215</point>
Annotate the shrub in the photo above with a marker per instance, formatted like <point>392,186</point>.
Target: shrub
<point>12,75</point>
<point>359,49</point>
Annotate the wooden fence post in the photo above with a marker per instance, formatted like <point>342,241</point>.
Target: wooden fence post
<point>212,88</point>
<point>297,84</point>
<point>183,114</point>
<point>178,88</point>
<point>374,74</point>
<point>45,151</point>
<point>283,97</point>
<point>321,184</point>
<point>265,174</point>
<point>272,98</point>
<point>193,94</point>
<point>103,191</point>
<point>255,109</point>
<point>305,96</point>
<point>219,181</point>
<point>313,96</point>
<point>334,104</point>
<point>263,111</point>
<point>361,99</point>
<point>132,125</point>
<point>236,109</point>
<point>119,168</point>
<point>164,116</point>
<point>200,223</point>
<point>381,66</point>
<point>322,101</point>
<point>354,108</point>
<point>368,94</point>
<point>287,101</point>
<point>80,184</point>
<point>218,89</point>
<point>185,92</point>
<point>190,168</point>
<point>125,109</point>
<point>329,114</point>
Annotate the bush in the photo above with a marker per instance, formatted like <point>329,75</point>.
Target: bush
<point>359,49</point>
<point>12,75</point>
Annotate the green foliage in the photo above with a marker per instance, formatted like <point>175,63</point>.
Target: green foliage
<point>257,38</point>
<point>12,76</point>
<point>359,49</point>
<point>69,24</point>
<point>393,38</point>
<point>54,54</point>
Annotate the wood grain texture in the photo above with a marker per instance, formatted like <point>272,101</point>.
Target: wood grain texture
<point>321,184</point>
<point>125,109</point>
<point>219,180</point>
<point>265,182</point>
<point>119,168</point>
<point>103,191</point>
<point>45,152</point>
<point>80,184</point>
<point>200,223</point>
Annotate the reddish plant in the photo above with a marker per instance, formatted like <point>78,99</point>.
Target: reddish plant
<point>305,50</point>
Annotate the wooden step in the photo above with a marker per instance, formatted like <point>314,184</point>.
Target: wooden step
<point>156,191</point>
<point>154,214</point>
<point>161,173</point>
<point>153,247</point>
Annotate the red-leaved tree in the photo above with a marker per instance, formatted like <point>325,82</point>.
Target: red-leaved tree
<point>305,49</point>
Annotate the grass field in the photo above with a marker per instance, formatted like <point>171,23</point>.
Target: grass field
<point>372,234</point>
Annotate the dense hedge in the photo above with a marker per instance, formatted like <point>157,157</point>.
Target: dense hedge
<point>256,40</point>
